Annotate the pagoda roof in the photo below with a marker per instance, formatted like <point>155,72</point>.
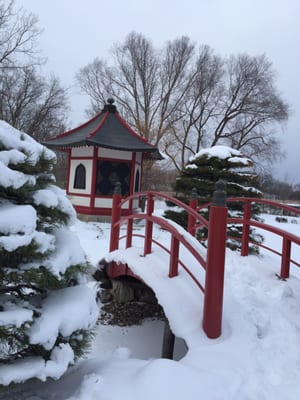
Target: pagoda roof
<point>107,129</point>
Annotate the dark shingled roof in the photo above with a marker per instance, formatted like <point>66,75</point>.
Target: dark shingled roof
<point>107,129</point>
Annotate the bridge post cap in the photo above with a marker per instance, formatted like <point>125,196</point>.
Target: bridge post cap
<point>219,195</point>
<point>194,194</point>
<point>117,188</point>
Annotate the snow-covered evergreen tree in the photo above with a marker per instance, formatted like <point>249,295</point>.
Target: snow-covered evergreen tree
<point>203,171</point>
<point>46,308</point>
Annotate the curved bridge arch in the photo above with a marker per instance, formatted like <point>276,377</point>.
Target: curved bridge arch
<point>213,262</point>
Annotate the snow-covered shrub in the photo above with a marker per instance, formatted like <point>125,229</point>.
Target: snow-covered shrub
<point>203,171</point>
<point>46,309</point>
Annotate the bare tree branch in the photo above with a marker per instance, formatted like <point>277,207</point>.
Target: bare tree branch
<point>183,100</point>
<point>18,37</point>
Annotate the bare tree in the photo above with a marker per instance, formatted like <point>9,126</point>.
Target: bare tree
<point>183,100</point>
<point>31,103</point>
<point>28,101</point>
<point>18,37</point>
<point>189,133</point>
<point>149,86</point>
<point>250,107</point>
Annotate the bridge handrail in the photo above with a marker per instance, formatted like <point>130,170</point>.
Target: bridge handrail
<point>272,203</point>
<point>246,221</point>
<point>175,201</point>
<point>217,224</point>
<point>215,252</point>
<point>280,232</point>
<point>264,201</point>
<point>169,227</point>
<point>287,237</point>
<point>169,252</point>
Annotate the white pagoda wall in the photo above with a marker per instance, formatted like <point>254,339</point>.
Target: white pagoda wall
<point>84,155</point>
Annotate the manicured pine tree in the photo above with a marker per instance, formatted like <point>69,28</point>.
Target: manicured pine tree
<point>203,171</point>
<point>47,310</point>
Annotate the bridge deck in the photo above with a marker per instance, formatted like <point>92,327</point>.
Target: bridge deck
<point>179,296</point>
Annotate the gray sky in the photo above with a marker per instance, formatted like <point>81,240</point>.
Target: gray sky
<point>76,31</point>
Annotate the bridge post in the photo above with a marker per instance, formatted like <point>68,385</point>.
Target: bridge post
<point>285,258</point>
<point>174,257</point>
<point>129,228</point>
<point>215,264</point>
<point>246,229</point>
<point>193,204</point>
<point>115,216</point>
<point>149,226</point>
<point>168,342</point>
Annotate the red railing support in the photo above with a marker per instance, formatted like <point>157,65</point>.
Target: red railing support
<point>246,229</point>
<point>191,226</point>
<point>115,216</point>
<point>129,228</point>
<point>129,233</point>
<point>174,257</point>
<point>149,226</point>
<point>215,264</point>
<point>285,258</point>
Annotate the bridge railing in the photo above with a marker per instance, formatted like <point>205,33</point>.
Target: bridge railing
<point>288,239</point>
<point>214,262</point>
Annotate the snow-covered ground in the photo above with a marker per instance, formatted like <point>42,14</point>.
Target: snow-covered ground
<point>257,356</point>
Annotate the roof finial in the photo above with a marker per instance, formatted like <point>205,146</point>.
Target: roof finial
<point>109,106</point>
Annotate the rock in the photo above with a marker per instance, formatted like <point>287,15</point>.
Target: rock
<point>122,293</point>
<point>105,296</point>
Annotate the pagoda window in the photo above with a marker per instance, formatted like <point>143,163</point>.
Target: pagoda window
<point>137,181</point>
<point>80,177</point>
<point>109,173</point>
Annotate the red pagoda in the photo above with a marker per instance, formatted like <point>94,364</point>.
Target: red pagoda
<point>101,152</point>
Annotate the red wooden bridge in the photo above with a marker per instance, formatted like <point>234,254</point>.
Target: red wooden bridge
<point>212,263</point>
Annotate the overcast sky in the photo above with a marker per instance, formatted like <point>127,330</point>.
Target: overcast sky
<point>77,31</point>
